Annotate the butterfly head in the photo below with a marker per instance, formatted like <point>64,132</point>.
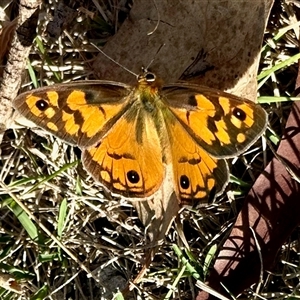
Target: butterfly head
<point>148,79</point>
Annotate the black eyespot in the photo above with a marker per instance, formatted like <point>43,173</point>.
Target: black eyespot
<point>42,104</point>
<point>240,114</point>
<point>133,176</point>
<point>184,182</point>
<point>150,77</point>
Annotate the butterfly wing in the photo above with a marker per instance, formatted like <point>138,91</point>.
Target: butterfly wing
<point>79,113</point>
<point>222,124</point>
<point>204,126</point>
<point>198,177</point>
<point>128,160</point>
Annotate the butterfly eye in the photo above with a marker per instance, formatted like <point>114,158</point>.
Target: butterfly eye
<point>239,114</point>
<point>42,105</point>
<point>150,77</point>
<point>133,176</point>
<point>184,182</point>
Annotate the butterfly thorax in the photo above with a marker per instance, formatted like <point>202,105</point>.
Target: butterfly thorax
<point>148,86</point>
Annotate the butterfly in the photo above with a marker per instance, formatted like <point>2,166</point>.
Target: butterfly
<point>130,134</point>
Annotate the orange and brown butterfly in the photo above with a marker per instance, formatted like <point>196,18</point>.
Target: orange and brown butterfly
<point>129,135</point>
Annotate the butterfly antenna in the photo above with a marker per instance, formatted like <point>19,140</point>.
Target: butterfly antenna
<point>114,61</point>
<point>152,60</point>
<point>158,18</point>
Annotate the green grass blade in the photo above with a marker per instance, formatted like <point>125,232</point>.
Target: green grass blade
<point>62,217</point>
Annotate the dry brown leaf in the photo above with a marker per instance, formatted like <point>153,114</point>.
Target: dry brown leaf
<point>271,209</point>
<point>222,35</point>
<point>9,283</point>
<point>216,41</point>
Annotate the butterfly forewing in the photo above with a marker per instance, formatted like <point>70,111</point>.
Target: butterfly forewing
<point>79,113</point>
<point>222,124</point>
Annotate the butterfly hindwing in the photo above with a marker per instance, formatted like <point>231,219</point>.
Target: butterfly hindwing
<point>128,160</point>
<point>198,177</point>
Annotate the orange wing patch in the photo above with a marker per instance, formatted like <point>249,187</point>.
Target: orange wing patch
<point>222,124</point>
<point>198,177</point>
<point>66,111</point>
<point>128,160</point>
